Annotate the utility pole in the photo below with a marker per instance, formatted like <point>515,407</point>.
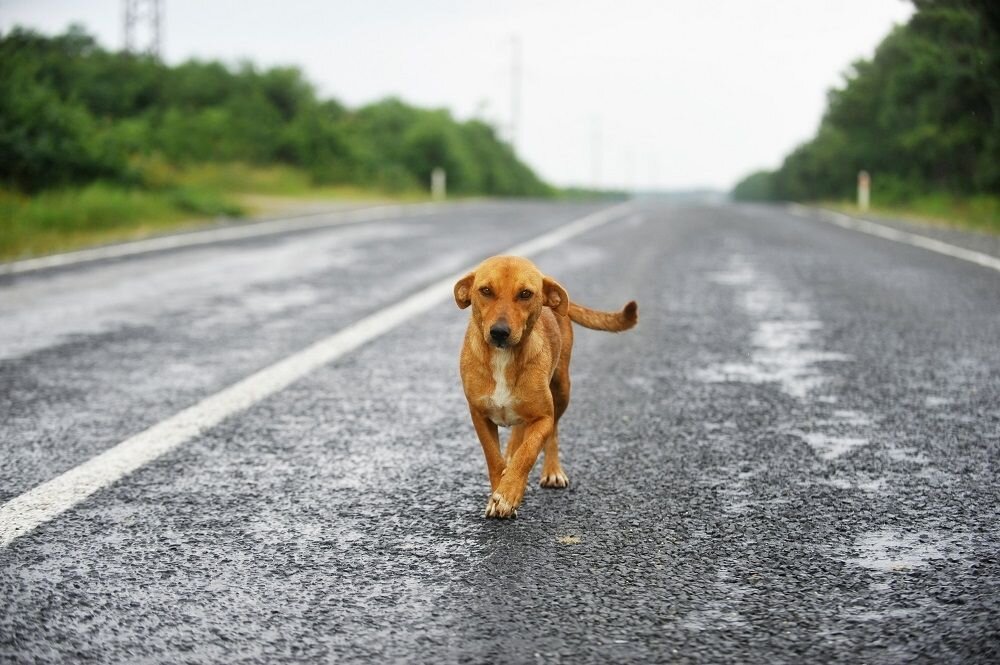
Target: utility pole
<point>629,159</point>
<point>595,153</point>
<point>148,13</point>
<point>515,89</point>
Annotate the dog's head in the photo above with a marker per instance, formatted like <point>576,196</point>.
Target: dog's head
<point>507,294</point>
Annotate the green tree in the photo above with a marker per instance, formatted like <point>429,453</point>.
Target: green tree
<point>923,115</point>
<point>45,140</point>
<point>71,112</point>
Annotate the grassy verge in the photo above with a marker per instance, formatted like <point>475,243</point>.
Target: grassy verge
<point>71,218</point>
<point>169,199</point>
<point>978,213</point>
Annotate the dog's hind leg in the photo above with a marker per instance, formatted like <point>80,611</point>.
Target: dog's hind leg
<point>553,475</point>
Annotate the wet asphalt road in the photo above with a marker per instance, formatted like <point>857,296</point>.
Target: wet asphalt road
<point>793,458</point>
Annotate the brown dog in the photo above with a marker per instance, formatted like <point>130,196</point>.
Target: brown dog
<point>515,369</point>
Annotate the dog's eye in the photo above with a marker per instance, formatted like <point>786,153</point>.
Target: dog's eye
<point>525,295</point>
<point>486,291</point>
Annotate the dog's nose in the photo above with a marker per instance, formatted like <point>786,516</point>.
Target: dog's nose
<point>500,332</point>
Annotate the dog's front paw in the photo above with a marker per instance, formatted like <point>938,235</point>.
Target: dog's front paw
<point>500,507</point>
<point>555,479</point>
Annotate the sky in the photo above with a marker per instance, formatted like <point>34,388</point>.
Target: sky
<point>639,94</point>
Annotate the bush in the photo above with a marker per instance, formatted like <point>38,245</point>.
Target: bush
<point>71,112</point>
<point>47,141</point>
<point>758,186</point>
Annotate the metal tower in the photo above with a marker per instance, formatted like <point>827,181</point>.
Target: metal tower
<point>148,14</point>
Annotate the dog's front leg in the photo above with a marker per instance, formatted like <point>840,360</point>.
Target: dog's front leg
<point>508,495</point>
<point>489,437</point>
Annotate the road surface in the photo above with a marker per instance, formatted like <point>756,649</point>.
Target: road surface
<point>793,458</point>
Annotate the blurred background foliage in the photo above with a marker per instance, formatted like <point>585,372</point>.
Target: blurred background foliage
<point>101,145</point>
<point>922,116</point>
<point>71,112</point>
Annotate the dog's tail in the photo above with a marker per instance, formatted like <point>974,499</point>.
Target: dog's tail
<point>609,321</point>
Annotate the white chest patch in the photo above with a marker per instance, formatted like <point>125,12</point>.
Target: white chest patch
<point>500,404</point>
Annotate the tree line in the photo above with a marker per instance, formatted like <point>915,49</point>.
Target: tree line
<point>922,116</point>
<point>72,112</point>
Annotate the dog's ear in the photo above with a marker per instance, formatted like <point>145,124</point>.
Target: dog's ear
<point>555,296</point>
<point>463,291</point>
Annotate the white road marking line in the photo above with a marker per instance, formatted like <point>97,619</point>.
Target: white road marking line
<point>195,238</point>
<point>54,497</point>
<point>890,233</point>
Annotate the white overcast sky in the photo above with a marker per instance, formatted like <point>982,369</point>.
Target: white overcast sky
<point>638,93</point>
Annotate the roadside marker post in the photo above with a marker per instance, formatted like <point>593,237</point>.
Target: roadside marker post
<point>864,190</point>
<point>438,184</point>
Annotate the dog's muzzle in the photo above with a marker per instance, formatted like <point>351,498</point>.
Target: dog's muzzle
<point>500,333</point>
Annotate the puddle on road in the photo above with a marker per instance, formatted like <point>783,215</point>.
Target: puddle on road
<point>905,454</point>
<point>880,616</point>
<point>894,551</point>
<point>831,447</point>
<point>849,417</point>
<point>712,618</point>
<point>721,612</point>
<point>785,353</point>
<point>784,348</point>
<point>844,431</point>
<point>933,401</point>
<point>643,383</point>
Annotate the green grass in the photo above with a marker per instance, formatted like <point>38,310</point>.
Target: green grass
<point>71,218</point>
<point>237,179</point>
<point>977,213</point>
<point>169,199</point>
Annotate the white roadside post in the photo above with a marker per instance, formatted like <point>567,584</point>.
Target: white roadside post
<point>864,190</point>
<point>438,179</point>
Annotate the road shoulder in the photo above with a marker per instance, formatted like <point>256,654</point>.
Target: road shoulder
<point>226,230</point>
<point>986,243</point>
